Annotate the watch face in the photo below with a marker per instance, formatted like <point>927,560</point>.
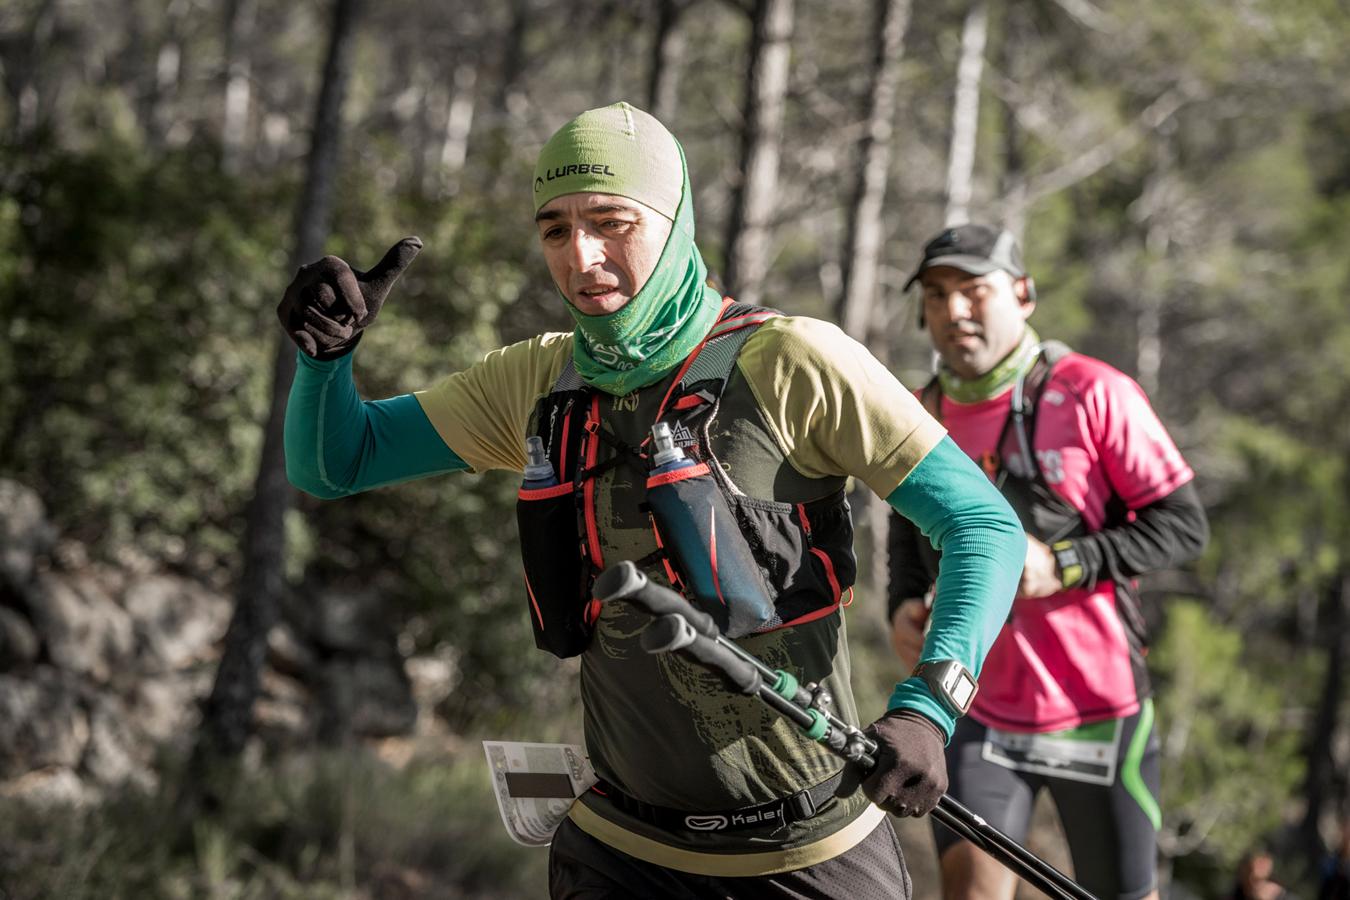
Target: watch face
<point>963,691</point>
<point>951,683</point>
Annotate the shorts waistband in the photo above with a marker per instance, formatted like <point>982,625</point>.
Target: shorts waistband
<point>783,811</point>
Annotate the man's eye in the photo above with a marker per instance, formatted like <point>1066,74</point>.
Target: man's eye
<point>616,224</point>
<point>553,232</point>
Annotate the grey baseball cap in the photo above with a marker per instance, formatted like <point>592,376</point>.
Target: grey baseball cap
<point>977,249</point>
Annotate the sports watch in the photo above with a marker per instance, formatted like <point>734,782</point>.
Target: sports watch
<point>951,683</point>
<point>1069,563</point>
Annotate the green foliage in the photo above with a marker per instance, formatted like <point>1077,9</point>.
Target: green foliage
<point>1228,749</point>
<point>132,297</point>
<point>315,826</point>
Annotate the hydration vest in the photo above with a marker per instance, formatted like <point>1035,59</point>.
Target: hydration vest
<point>804,551</point>
<point>1044,514</point>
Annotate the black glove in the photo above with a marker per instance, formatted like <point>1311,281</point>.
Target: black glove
<point>911,772</point>
<point>328,305</point>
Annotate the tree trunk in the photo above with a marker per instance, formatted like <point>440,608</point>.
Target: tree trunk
<point>1318,786</point>
<point>966,115</point>
<point>227,717</point>
<point>862,248</point>
<point>160,105</point>
<point>1155,215</point>
<point>667,57</point>
<point>513,55</point>
<point>458,124</point>
<point>240,16</point>
<point>622,23</point>
<point>1013,185</point>
<point>425,133</point>
<point>507,94</point>
<point>23,71</point>
<point>747,253</point>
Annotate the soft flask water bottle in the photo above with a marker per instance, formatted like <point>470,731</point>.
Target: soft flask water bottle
<point>700,532</point>
<point>538,470</point>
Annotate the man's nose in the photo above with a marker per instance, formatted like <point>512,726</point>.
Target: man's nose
<point>587,249</point>
<point>957,306</point>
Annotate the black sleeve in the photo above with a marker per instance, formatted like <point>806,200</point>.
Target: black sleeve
<point>912,562</point>
<point>1167,532</point>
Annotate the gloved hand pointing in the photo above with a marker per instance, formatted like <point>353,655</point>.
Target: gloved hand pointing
<point>911,772</point>
<point>328,305</point>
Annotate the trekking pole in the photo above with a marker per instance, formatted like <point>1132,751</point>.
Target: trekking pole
<point>678,625</point>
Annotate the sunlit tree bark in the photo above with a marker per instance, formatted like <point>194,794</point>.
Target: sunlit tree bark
<point>240,16</point>
<point>668,48</point>
<point>864,232</point>
<point>748,230</point>
<point>966,115</point>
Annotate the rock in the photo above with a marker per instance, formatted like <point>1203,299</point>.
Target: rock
<point>114,753</point>
<point>84,630</point>
<point>167,708</point>
<point>47,787</point>
<point>177,622</point>
<point>19,645</point>
<point>43,723</point>
<point>284,712</point>
<point>25,533</point>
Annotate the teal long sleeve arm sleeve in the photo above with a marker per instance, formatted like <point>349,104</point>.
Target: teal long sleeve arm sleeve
<point>338,445</point>
<point>983,551</point>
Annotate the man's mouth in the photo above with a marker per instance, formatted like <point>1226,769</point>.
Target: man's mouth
<point>598,292</point>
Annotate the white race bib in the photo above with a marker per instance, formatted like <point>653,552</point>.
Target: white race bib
<point>1087,754</point>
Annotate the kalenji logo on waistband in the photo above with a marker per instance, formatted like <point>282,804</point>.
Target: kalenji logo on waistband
<point>705,823</point>
<point>762,816</point>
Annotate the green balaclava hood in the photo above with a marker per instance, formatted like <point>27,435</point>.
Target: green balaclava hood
<point>622,150</point>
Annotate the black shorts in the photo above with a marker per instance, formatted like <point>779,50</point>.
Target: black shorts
<point>583,868</point>
<point>1105,795</point>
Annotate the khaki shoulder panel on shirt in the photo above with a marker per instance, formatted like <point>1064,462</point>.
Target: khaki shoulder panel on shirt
<point>833,407</point>
<point>481,412</point>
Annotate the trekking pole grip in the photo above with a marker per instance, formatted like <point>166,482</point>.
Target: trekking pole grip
<point>625,581</point>
<point>672,631</point>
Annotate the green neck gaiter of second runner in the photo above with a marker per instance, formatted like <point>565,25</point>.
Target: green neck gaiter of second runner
<point>621,150</point>
<point>996,380</point>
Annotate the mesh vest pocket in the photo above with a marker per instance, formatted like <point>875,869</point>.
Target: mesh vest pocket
<point>556,578</point>
<point>806,549</point>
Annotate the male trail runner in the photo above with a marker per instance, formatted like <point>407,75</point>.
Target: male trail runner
<point>1104,496</point>
<point>703,793</point>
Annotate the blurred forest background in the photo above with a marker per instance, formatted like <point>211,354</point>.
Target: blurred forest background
<point>1178,171</point>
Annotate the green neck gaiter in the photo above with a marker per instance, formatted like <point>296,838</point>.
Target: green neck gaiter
<point>996,380</point>
<point>654,332</point>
